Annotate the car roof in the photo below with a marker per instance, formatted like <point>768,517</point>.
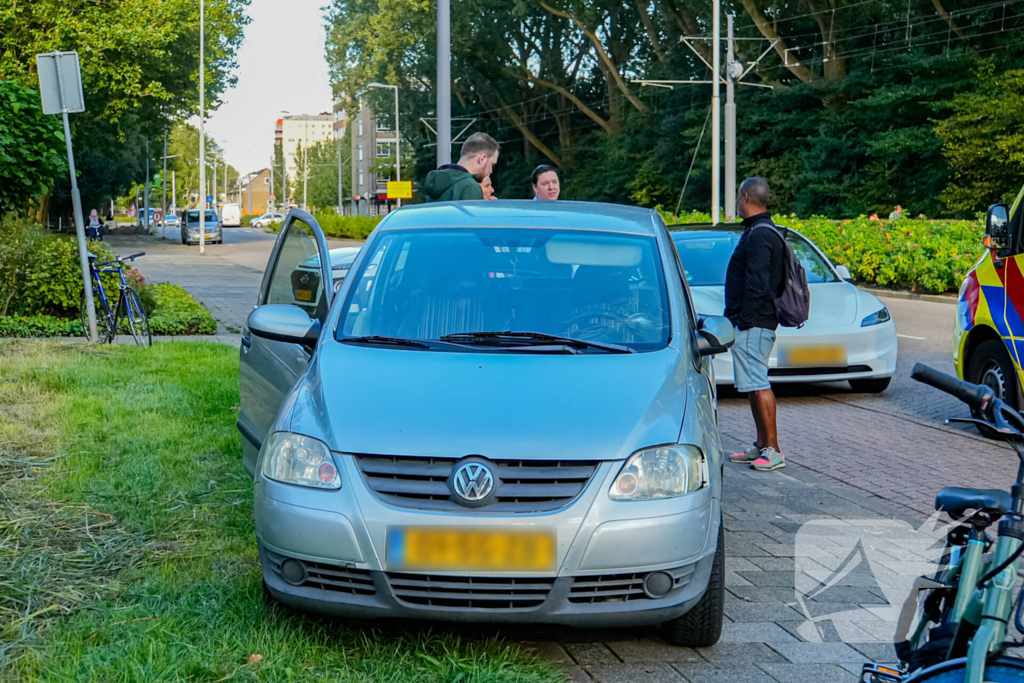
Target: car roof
<point>709,230</point>
<point>525,213</point>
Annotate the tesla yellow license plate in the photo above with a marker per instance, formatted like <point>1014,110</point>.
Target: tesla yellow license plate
<point>813,356</point>
<point>304,294</point>
<point>430,548</point>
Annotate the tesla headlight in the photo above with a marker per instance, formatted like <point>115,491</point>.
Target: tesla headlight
<point>662,472</point>
<point>876,318</point>
<point>302,460</point>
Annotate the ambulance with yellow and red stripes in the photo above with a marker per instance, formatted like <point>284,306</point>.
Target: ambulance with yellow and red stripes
<point>988,337</point>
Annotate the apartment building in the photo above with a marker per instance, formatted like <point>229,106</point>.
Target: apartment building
<point>372,142</point>
<point>298,132</point>
<point>255,191</point>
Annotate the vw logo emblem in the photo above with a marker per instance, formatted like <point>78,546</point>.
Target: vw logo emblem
<point>473,482</point>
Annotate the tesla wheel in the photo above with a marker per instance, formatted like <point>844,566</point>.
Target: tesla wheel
<point>870,386</point>
<point>991,365</point>
<point>702,625</point>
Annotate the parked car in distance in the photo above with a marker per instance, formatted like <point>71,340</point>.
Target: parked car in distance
<point>172,221</point>
<point>504,413</point>
<point>850,335</point>
<point>231,216</point>
<point>266,220</point>
<point>190,227</point>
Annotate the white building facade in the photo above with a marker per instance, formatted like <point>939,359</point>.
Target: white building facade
<point>300,132</point>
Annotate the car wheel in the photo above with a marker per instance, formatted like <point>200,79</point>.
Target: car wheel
<point>870,386</point>
<point>991,365</point>
<point>702,625</point>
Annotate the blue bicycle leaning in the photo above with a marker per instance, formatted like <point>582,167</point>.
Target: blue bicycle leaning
<point>127,313</point>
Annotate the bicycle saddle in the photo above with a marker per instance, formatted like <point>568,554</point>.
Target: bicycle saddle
<point>956,501</point>
<point>92,257</point>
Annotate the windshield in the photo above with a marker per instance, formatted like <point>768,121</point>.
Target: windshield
<point>591,286</point>
<point>193,216</point>
<point>705,255</point>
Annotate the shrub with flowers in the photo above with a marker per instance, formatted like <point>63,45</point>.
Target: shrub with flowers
<point>918,254</point>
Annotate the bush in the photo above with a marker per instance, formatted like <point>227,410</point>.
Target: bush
<point>20,240</point>
<point>342,227</point>
<point>38,326</point>
<point>916,254</point>
<point>247,220</point>
<point>174,311</point>
<point>54,281</point>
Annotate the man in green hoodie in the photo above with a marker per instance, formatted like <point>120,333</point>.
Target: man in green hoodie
<point>455,182</point>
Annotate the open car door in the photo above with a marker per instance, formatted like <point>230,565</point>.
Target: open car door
<point>298,274</point>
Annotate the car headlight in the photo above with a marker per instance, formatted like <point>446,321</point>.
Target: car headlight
<point>876,318</point>
<point>662,472</point>
<point>301,460</point>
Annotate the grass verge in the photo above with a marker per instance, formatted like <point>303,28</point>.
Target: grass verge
<point>126,544</point>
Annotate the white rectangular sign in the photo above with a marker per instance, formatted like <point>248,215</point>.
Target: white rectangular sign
<point>60,83</point>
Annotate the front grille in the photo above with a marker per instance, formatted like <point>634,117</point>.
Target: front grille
<point>470,592</point>
<point>801,372</point>
<point>526,485</point>
<point>621,587</point>
<point>329,577</point>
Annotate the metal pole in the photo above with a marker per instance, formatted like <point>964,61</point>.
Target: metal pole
<point>202,124</point>
<point>716,115</point>
<point>174,189</point>
<point>248,190</point>
<point>145,193</point>
<point>163,201</point>
<point>305,164</point>
<point>341,193</point>
<point>444,83</point>
<point>730,126</point>
<point>398,148</point>
<point>83,254</point>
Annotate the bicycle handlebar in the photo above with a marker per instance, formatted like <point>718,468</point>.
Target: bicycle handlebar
<point>977,396</point>
<point>120,259</point>
<point>132,257</point>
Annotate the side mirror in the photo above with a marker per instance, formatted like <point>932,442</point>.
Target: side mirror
<point>283,323</point>
<point>997,226</point>
<point>844,272</point>
<point>715,335</point>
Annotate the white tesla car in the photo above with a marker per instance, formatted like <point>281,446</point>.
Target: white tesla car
<point>850,335</point>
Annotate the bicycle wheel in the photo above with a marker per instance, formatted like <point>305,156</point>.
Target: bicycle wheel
<point>131,312</point>
<point>103,328</point>
<point>1002,670</point>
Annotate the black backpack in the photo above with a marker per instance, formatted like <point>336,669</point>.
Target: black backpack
<point>793,301</point>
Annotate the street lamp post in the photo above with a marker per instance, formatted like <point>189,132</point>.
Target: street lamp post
<point>284,167</point>
<point>202,125</point>
<point>444,83</point>
<point>398,137</point>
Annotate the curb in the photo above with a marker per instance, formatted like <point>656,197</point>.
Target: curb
<point>896,294</point>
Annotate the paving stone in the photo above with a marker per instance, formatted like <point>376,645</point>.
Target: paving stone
<point>755,632</point>
<point>651,650</point>
<point>656,672</point>
<point>734,653</point>
<point>739,564</point>
<point>734,579</point>
<point>710,673</point>
<point>805,673</point>
<point>768,578</point>
<point>765,593</point>
<point>807,653</point>
<point>741,611</point>
<point>881,653</point>
<point>591,654</point>
<point>551,652</point>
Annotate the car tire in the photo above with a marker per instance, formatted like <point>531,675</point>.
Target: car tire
<point>870,386</point>
<point>702,625</point>
<point>990,364</point>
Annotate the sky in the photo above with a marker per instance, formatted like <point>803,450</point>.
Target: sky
<point>281,65</point>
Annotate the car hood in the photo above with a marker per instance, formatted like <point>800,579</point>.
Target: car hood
<point>832,303</point>
<point>500,405</point>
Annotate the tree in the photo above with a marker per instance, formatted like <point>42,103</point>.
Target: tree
<point>32,149</point>
<point>984,142</point>
<point>322,186</point>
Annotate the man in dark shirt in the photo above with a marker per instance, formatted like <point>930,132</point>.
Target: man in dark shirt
<point>752,282</point>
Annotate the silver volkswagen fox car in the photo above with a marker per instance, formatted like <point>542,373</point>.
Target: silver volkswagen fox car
<point>505,413</point>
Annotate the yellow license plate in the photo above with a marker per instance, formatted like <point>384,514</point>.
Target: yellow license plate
<point>817,356</point>
<point>304,294</point>
<point>428,548</point>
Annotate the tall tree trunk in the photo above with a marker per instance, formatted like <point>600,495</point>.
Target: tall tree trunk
<point>652,32</point>
<point>788,60</point>
<point>949,19</point>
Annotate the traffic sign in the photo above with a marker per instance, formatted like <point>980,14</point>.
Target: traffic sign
<point>60,83</point>
<point>399,189</point>
<point>273,197</point>
<point>209,199</point>
<point>131,211</point>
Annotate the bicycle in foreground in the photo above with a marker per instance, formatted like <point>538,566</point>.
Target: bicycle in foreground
<point>127,312</point>
<point>961,632</point>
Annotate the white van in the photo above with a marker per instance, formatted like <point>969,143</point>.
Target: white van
<point>230,215</point>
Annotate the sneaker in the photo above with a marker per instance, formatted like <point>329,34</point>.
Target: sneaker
<point>770,459</point>
<point>747,456</point>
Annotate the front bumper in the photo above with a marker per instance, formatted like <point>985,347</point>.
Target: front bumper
<point>605,550</point>
<point>193,236</point>
<point>870,354</point>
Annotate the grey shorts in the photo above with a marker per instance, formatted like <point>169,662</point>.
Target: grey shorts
<point>750,359</point>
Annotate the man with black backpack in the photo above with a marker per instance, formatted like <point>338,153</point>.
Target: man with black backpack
<point>765,285</point>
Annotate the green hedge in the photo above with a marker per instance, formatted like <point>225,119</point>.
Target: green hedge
<point>911,253</point>
<point>172,310</point>
<point>38,326</point>
<point>342,227</point>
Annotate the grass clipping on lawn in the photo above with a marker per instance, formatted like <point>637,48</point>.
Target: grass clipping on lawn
<point>127,549</point>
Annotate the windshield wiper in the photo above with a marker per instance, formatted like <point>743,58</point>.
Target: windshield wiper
<point>530,339</point>
<point>388,341</point>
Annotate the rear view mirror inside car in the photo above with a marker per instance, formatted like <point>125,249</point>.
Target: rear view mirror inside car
<point>604,251</point>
